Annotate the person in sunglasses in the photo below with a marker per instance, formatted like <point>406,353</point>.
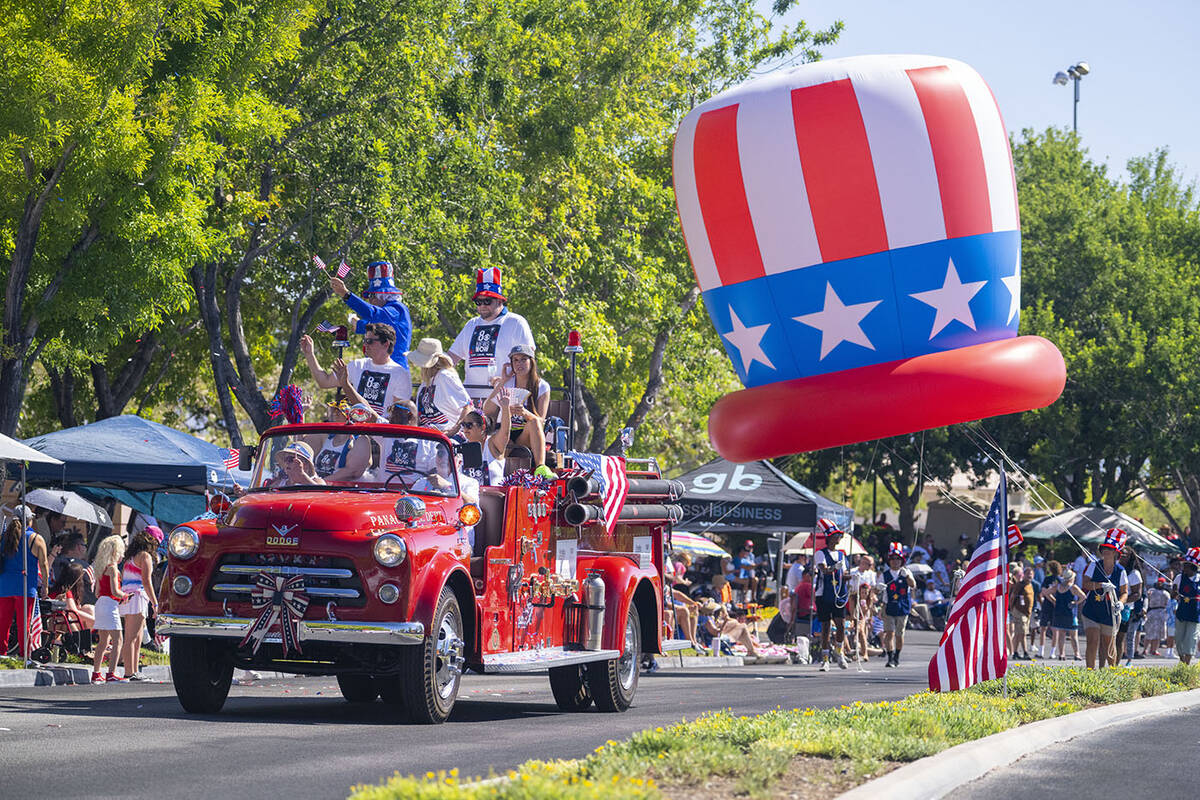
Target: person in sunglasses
<point>378,379</point>
<point>486,340</point>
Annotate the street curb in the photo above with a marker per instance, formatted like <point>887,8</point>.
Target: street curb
<point>668,661</point>
<point>937,775</point>
<point>79,674</point>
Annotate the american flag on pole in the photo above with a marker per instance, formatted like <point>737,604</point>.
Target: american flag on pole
<point>325,327</point>
<point>317,260</point>
<point>609,472</point>
<point>229,457</point>
<point>343,269</point>
<point>972,647</point>
<point>1015,537</point>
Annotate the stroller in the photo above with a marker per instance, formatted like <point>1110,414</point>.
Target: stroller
<point>62,633</point>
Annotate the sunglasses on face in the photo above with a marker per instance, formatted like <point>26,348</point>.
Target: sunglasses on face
<point>372,341</point>
<point>470,425</point>
<point>289,460</point>
<point>484,301</point>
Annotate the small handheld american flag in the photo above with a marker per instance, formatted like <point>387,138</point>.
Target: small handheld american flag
<point>229,457</point>
<point>1015,537</point>
<point>343,269</point>
<point>325,327</point>
<point>317,260</point>
<point>35,626</point>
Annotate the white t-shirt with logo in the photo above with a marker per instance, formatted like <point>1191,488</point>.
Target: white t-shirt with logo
<point>381,385</point>
<point>440,402</point>
<point>484,345</point>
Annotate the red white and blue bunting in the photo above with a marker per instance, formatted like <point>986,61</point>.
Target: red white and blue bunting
<point>280,600</point>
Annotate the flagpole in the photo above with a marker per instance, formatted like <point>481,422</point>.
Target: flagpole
<point>1004,537</point>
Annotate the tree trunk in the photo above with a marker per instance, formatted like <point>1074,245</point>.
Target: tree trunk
<point>62,389</point>
<point>654,377</point>
<point>204,279</point>
<point>599,420</point>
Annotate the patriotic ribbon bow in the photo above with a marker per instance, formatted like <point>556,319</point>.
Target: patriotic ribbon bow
<point>278,599</point>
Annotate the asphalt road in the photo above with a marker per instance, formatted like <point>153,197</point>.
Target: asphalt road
<point>299,738</point>
<point>1154,755</point>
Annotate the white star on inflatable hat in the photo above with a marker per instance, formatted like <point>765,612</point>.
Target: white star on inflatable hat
<point>952,301</point>
<point>839,322</point>
<point>747,341</point>
<point>1013,284</point>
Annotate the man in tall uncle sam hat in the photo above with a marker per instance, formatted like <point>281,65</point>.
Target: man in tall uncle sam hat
<point>380,303</point>
<point>487,339</point>
<point>1186,589</point>
<point>895,586</point>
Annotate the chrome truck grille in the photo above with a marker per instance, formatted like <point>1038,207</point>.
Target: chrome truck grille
<point>325,578</point>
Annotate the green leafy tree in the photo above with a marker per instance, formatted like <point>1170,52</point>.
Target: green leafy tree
<point>106,134</point>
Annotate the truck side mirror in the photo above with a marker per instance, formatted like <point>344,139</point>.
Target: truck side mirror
<point>246,457</point>
<point>472,454</point>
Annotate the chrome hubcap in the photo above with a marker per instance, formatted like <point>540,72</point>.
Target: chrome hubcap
<point>448,659</point>
<point>627,664</point>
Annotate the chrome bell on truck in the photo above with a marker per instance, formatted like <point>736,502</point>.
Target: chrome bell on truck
<point>592,593</point>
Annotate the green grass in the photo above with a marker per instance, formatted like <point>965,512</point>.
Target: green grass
<point>753,752</point>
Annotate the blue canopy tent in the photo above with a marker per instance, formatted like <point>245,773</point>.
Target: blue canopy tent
<point>147,466</point>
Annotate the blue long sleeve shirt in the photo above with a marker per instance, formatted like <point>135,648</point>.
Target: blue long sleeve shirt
<point>393,313</point>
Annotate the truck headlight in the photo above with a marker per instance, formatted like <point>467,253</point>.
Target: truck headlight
<point>184,543</point>
<point>390,550</point>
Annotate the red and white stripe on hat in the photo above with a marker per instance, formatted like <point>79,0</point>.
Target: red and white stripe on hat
<point>827,526</point>
<point>489,275</point>
<point>896,549</point>
<point>1114,538</point>
<point>379,269</point>
<point>1192,555</point>
<point>839,159</point>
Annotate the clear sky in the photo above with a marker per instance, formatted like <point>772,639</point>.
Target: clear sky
<point>1143,91</point>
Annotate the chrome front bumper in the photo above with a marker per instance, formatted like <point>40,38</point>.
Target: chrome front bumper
<point>310,630</point>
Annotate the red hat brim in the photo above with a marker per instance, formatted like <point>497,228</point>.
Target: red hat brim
<point>889,399</point>
<point>486,293</point>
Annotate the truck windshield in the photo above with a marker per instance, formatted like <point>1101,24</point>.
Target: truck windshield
<point>343,460</point>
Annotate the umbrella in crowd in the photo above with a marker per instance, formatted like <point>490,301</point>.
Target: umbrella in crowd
<point>803,543</point>
<point>70,505</point>
<point>1088,523</point>
<point>696,545</point>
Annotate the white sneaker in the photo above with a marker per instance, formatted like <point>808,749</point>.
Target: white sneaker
<point>825,666</point>
<point>841,661</point>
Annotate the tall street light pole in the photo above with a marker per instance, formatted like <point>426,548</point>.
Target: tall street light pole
<point>1074,73</point>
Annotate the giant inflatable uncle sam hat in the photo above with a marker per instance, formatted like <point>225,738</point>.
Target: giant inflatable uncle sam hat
<point>853,227</point>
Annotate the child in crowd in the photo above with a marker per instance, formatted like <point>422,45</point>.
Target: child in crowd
<point>1157,599</point>
<point>66,583</point>
<point>139,595</point>
<point>108,596</point>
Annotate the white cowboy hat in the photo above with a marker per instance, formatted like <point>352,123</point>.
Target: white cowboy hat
<point>426,351</point>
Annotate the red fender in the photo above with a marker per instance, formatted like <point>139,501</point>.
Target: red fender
<point>621,578</point>
<point>432,578</point>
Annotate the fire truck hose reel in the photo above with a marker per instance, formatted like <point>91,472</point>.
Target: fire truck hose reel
<point>580,514</point>
<point>586,488</point>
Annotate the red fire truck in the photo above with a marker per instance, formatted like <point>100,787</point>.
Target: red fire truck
<point>397,581</point>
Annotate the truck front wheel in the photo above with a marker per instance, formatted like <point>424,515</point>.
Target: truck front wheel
<point>202,672</point>
<point>431,672</point>
<point>613,683</point>
<point>570,687</point>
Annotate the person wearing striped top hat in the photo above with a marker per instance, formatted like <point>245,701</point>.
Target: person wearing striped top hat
<point>486,340</point>
<point>1186,589</point>
<point>380,303</point>
<point>895,586</point>
<point>1107,586</point>
<point>832,590</point>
